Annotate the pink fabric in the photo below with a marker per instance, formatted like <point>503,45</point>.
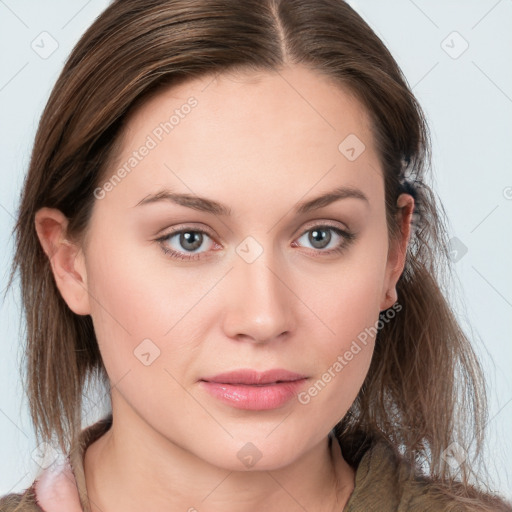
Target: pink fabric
<point>56,489</point>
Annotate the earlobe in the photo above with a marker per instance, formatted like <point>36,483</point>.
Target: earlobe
<point>65,257</point>
<point>397,254</point>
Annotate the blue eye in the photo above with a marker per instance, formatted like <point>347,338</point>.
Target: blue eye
<point>193,239</point>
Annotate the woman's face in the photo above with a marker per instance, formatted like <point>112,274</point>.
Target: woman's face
<point>254,281</point>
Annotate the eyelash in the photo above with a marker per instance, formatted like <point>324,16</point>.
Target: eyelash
<point>347,235</point>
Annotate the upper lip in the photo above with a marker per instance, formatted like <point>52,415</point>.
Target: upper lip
<point>249,376</point>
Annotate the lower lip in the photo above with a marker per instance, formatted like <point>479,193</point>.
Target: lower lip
<point>256,398</point>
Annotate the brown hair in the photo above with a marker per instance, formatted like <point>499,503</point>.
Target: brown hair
<point>425,387</point>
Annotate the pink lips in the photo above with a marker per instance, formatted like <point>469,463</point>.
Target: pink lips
<point>249,389</point>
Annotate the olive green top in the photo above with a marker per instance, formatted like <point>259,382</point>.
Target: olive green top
<point>383,483</point>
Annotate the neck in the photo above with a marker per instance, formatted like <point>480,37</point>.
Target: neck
<point>132,468</point>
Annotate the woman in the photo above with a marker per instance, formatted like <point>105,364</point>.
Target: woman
<point>299,354</point>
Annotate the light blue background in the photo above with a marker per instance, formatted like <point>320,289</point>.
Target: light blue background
<point>468,102</point>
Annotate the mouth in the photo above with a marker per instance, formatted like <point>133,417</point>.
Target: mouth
<point>250,390</point>
<point>261,384</point>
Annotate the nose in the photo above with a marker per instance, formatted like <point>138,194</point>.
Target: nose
<point>259,303</point>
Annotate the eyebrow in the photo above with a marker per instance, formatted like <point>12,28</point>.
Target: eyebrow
<point>204,204</point>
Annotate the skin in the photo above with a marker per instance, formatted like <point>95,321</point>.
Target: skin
<point>258,143</point>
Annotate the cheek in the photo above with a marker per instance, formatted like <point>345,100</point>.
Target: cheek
<point>350,307</point>
<point>343,357</point>
<point>125,303</point>
<point>139,305</point>
<point>350,296</point>
<point>132,310</point>
<point>130,291</point>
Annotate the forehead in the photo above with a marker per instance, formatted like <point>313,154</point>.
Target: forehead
<point>272,131</point>
<point>295,96</point>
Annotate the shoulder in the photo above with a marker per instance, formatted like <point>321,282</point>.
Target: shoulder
<point>20,502</point>
<point>384,481</point>
<point>60,484</point>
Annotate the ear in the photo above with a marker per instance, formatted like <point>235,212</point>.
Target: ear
<point>397,251</point>
<point>66,259</point>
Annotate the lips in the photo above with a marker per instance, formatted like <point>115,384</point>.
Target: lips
<point>254,378</point>
<point>252,390</point>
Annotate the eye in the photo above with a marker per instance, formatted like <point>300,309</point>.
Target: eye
<point>188,241</point>
<point>320,237</point>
